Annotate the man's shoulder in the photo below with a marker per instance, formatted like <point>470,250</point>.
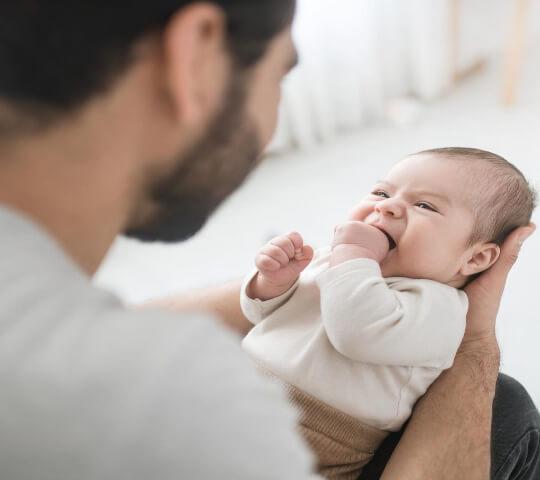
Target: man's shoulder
<point>166,394</point>
<point>92,389</point>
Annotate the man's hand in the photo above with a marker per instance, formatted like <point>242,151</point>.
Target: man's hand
<point>358,240</point>
<point>449,433</point>
<point>486,291</point>
<point>280,263</point>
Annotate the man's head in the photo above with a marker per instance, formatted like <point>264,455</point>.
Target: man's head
<point>206,75</point>
<point>447,212</point>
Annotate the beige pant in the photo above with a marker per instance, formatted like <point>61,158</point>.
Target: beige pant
<point>342,444</point>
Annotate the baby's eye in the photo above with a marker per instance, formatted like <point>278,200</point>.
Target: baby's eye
<point>380,193</point>
<point>426,206</point>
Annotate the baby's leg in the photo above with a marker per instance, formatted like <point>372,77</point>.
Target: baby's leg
<point>342,444</point>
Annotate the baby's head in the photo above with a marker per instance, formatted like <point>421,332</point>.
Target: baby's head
<point>447,211</point>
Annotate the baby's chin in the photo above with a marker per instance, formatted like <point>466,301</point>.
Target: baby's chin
<point>388,271</point>
<point>388,267</point>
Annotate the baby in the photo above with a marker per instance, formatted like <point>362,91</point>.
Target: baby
<point>357,332</point>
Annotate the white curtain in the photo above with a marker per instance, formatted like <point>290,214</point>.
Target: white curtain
<point>365,60</point>
<point>356,55</point>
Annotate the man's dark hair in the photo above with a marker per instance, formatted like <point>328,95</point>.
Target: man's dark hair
<point>57,54</point>
<point>502,198</point>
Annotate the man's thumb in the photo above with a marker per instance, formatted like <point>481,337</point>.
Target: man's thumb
<point>512,246</point>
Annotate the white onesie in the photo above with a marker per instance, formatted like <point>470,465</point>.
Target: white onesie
<point>366,345</point>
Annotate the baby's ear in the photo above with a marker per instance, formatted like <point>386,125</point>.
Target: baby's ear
<point>482,256</point>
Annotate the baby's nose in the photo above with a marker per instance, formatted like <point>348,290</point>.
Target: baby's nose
<point>391,207</point>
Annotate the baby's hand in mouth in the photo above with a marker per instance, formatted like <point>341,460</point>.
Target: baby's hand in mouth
<point>391,242</point>
<point>375,242</point>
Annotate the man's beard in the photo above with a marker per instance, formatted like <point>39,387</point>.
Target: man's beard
<point>211,171</point>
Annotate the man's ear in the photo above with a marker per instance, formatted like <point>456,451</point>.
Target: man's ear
<point>480,258</point>
<point>196,64</point>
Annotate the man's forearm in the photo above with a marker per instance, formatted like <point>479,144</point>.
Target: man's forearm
<point>222,301</point>
<point>449,435</point>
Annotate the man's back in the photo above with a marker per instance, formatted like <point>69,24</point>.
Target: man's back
<point>93,390</point>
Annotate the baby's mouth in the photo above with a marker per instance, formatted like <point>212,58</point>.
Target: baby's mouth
<point>391,242</point>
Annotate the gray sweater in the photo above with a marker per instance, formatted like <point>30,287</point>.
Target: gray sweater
<point>92,390</point>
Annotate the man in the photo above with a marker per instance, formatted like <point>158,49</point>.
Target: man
<point>141,117</point>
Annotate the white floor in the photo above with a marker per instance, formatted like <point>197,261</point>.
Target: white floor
<point>311,191</point>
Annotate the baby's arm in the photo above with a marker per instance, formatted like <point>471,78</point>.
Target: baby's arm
<point>415,323</point>
<point>279,264</point>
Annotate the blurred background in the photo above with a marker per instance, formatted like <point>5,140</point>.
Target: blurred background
<point>377,80</point>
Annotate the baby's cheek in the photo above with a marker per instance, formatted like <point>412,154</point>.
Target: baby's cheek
<point>432,262</point>
<point>416,259</point>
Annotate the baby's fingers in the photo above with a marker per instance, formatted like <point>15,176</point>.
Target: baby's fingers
<point>306,253</point>
<point>286,244</point>
<point>264,263</point>
<point>276,253</point>
<point>296,240</point>
<point>303,259</point>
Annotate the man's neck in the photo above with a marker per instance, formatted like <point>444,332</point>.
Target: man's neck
<point>84,233</point>
<point>75,184</point>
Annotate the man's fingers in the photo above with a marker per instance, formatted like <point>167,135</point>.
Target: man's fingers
<point>527,232</point>
<point>509,254</point>
<point>486,291</point>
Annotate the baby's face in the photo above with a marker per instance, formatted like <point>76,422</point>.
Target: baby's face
<point>424,205</point>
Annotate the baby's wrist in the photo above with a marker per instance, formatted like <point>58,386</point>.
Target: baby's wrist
<point>260,288</point>
<point>346,251</point>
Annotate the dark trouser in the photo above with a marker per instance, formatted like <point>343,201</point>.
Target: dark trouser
<point>515,442</point>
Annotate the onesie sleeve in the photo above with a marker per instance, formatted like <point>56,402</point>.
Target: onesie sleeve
<point>406,322</point>
<point>257,310</point>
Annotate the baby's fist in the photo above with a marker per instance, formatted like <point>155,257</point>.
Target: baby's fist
<point>367,239</point>
<point>282,260</point>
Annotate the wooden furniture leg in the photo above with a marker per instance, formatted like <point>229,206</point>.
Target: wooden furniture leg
<point>515,51</point>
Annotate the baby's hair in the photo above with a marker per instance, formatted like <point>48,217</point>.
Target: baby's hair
<point>506,200</point>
